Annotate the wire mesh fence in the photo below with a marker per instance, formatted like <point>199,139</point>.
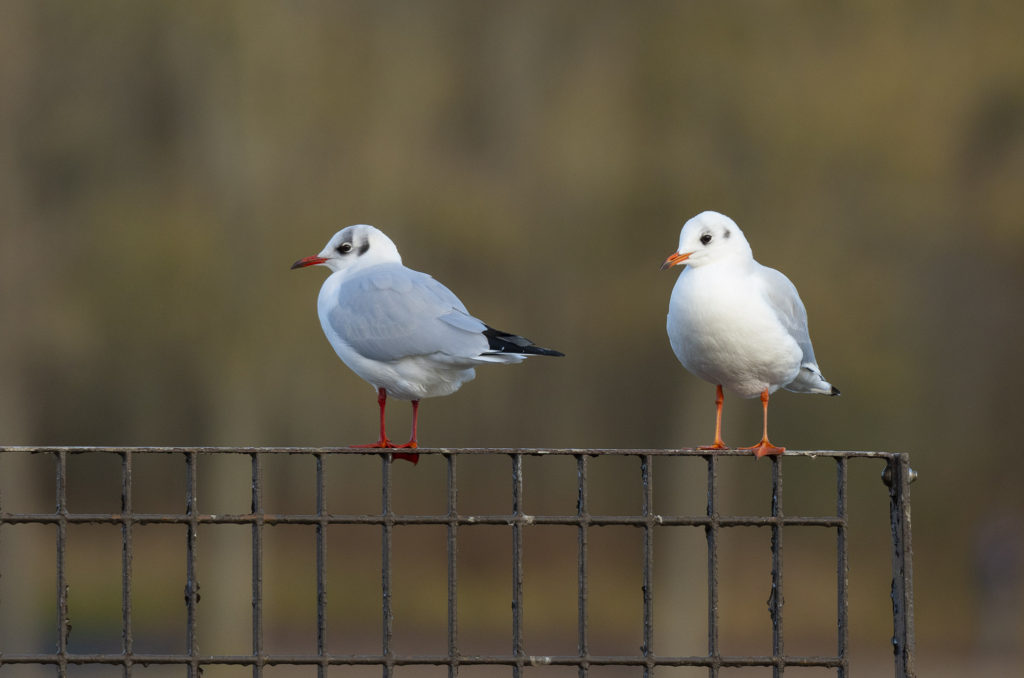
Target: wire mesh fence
<point>451,526</point>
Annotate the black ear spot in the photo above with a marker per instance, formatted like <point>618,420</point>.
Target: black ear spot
<point>727,233</point>
<point>362,248</point>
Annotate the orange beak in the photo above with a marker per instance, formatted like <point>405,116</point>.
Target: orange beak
<point>675,259</point>
<point>308,261</point>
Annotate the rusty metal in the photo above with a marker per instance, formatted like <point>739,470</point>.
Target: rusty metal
<point>842,569</point>
<point>321,567</point>
<point>898,477</point>
<point>191,582</point>
<point>127,553</point>
<point>517,520</point>
<point>897,474</point>
<point>776,599</point>
<point>711,530</point>
<point>61,517</point>
<point>647,510</point>
<point>453,575</point>
<point>387,527</point>
<point>582,565</point>
<point>259,658</point>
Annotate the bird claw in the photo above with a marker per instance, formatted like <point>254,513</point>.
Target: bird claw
<point>408,456</point>
<point>718,445</point>
<point>386,444</point>
<point>764,448</point>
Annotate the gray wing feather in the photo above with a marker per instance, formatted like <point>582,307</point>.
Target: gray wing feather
<point>463,321</point>
<point>782,295</point>
<point>392,312</point>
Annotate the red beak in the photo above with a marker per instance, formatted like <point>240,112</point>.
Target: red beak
<point>308,261</point>
<point>675,259</point>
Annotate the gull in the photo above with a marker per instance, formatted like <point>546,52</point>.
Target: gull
<point>736,323</point>
<point>400,330</point>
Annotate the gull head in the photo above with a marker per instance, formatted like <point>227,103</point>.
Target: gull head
<point>354,247</point>
<point>706,238</point>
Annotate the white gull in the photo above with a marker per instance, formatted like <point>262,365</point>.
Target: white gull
<point>736,323</point>
<point>400,330</point>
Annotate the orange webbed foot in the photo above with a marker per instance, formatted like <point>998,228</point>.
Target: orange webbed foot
<point>408,456</point>
<point>386,444</point>
<point>764,448</point>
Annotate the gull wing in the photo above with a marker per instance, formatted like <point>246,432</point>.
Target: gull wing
<point>781,294</point>
<point>390,312</point>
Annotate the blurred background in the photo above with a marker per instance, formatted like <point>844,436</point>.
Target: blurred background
<point>163,164</point>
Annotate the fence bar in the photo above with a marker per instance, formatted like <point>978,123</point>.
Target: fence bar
<point>898,476</point>
<point>387,621</point>
<point>647,509</point>
<point>127,553</point>
<point>191,584</point>
<point>711,530</point>
<point>430,451</point>
<point>441,520</point>
<point>321,566</point>
<point>843,568</point>
<point>776,600</point>
<point>453,580</point>
<point>257,564</point>
<point>517,565</point>
<point>572,660</point>
<point>582,566</point>
<point>63,623</point>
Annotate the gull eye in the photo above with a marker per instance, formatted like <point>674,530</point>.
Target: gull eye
<point>344,248</point>
<point>705,239</point>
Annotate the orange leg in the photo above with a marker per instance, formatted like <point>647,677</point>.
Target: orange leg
<point>764,447</point>
<point>718,444</point>
<point>411,456</point>
<point>382,398</point>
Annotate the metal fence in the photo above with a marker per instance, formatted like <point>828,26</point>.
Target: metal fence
<point>897,475</point>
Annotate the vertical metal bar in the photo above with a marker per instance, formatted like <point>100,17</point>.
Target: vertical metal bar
<point>63,625</point>
<point>191,583</point>
<point>385,566</point>
<point>257,565</point>
<point>776,599</point>
<point>321,567</point>
<point>453,601</point>
<point>127,553</point>
<point>647,505</point>
<point>712,536</point>
<point>842,569</point>
<point>898,473</point>
<point>517,565</point>
<point>582,566</point>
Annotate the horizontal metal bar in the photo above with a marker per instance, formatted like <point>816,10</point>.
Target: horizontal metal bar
<point>679,452</point>
<point>331,519</point>
<point>436,660</point>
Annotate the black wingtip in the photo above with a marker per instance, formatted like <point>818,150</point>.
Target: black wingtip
<point>505,342</point>
<point>835,391</point>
